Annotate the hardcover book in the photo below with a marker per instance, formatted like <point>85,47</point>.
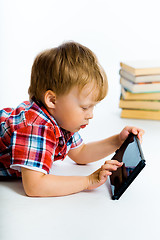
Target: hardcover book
<point>139,96</point>
<point>138,79</point>
<point>140,114</point>
<point>140,87</point>
<point>139,104</point>
<point>139,68</point>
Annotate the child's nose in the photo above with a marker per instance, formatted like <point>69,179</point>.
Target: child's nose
<point>89,114</point>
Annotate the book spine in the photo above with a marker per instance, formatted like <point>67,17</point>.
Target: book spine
<point>139,114</point>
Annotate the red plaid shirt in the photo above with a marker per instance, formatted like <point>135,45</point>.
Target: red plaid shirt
<point>31,138</point>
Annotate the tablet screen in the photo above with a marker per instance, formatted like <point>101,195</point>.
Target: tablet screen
<point>131,155</point>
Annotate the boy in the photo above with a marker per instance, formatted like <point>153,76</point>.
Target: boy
<point>66,83</point>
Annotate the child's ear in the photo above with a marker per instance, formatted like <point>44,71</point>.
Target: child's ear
<point>50,99</point>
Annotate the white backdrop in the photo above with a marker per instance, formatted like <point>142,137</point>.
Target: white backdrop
<point>115,30</point>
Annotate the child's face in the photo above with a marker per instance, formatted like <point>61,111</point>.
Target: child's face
<point>74,110</point>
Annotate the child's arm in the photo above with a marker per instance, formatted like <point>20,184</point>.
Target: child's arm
<point>97,150</point>
<point>37,184</point>
<point>94,151</point>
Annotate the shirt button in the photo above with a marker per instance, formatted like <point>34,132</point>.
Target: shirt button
<point>61,142</point>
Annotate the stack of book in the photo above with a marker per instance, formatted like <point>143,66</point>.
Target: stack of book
<point>140,90</point>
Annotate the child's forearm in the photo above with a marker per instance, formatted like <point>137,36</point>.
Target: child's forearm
<point>37,184</point>
<point>94,151</point>
<point>52,185</point>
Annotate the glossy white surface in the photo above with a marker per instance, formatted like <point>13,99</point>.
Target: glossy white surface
<point>90,215</point>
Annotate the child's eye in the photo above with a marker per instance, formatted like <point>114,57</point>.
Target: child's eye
<point>84,108</point>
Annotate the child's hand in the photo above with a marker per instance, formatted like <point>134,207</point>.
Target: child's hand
<point>127,130</point>
<point>99,177</point>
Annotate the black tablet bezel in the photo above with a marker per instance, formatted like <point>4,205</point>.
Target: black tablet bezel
<point>118,156</point>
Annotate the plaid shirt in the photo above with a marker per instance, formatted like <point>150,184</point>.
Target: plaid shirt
<point>31,138</point>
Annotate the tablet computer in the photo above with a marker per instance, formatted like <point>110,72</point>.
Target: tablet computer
<point>130,153</point>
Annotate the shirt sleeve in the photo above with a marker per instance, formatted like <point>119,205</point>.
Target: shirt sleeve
<point>33,147</point>
<point>76,140</point>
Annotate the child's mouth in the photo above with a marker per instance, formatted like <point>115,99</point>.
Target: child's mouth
<point>83,126</point>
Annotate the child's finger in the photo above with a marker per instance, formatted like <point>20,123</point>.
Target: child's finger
<point>114,162</point>
<point>109,167</point>
<point>104,174</point>
<point>140,134</point>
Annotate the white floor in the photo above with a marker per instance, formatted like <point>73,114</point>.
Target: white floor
<point>90,215</point>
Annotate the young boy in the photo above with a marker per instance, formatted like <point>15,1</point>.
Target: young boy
<point>66,83</point>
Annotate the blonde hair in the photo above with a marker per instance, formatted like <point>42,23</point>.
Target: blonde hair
<point>59,69</point>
